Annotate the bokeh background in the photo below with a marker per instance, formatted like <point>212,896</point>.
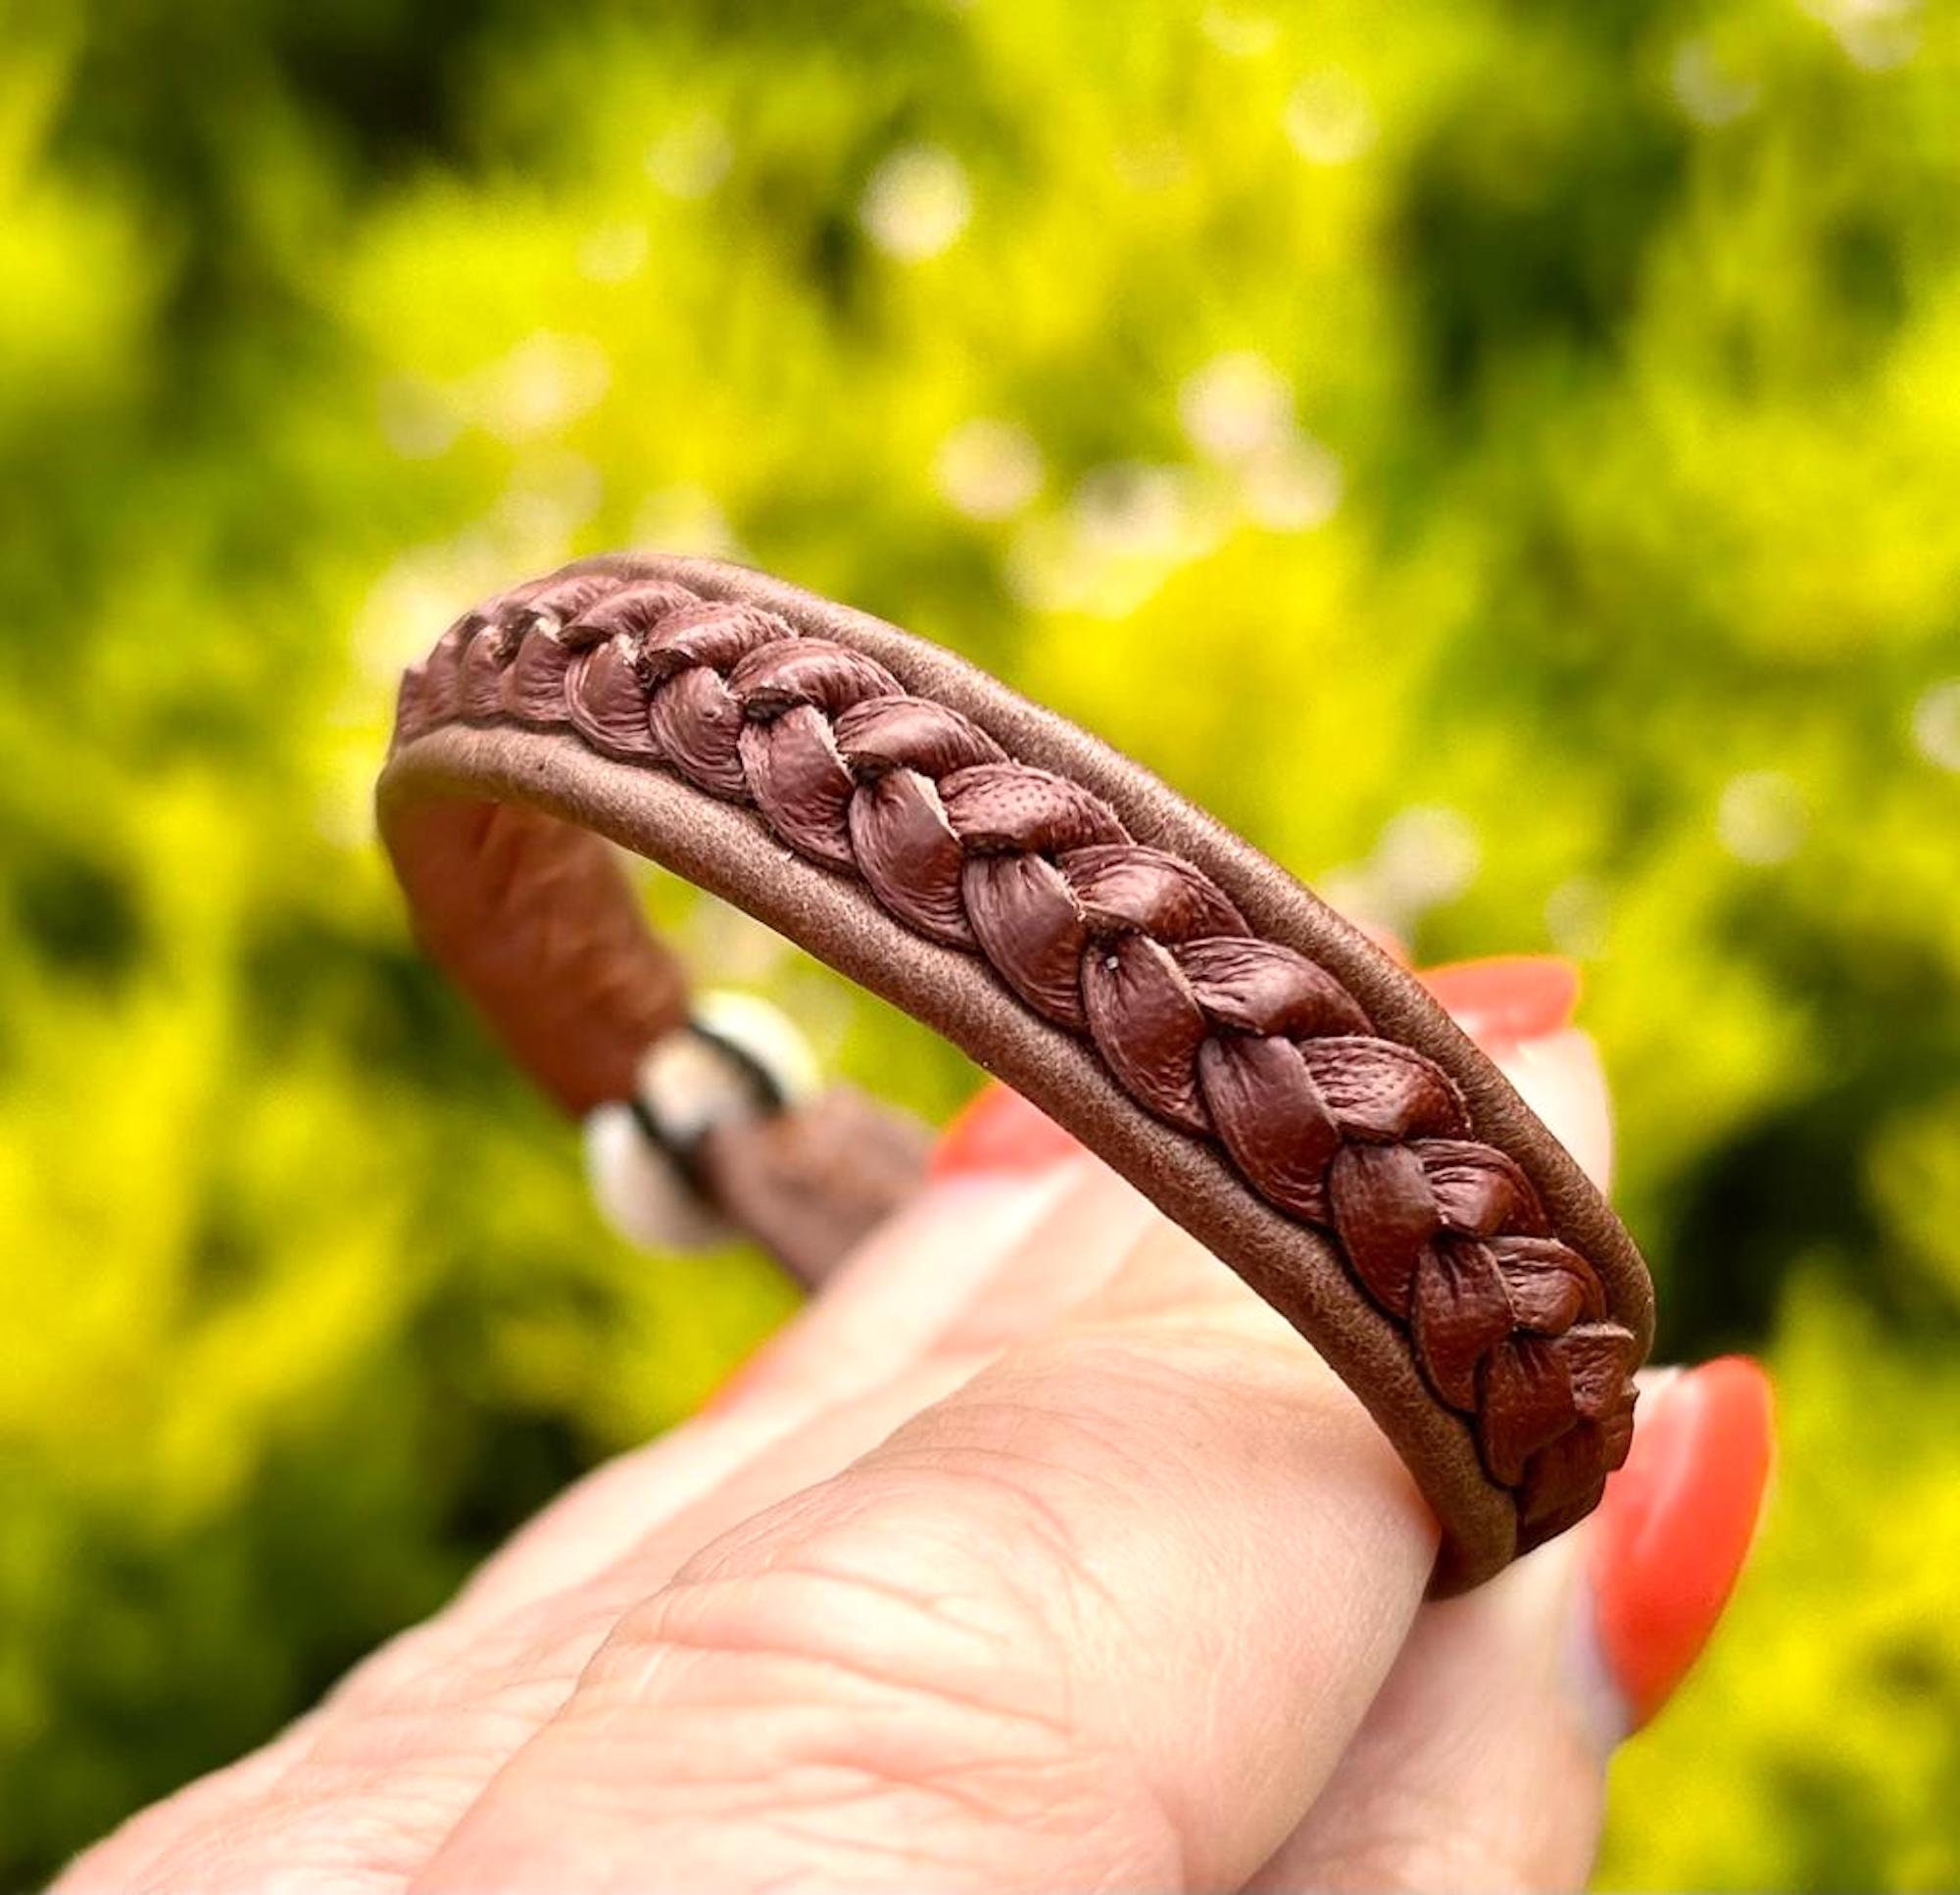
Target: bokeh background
<point>1571,393</point>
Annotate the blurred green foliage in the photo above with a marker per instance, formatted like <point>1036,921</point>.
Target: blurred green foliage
<point>1573,394</point>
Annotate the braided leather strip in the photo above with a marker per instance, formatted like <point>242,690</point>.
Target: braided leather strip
<point>1203,1023</point>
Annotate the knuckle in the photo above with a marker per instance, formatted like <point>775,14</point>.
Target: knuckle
<point>875,1668</point>
<point>894,1592</point>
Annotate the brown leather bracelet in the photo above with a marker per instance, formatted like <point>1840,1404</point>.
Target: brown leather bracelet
<point>1184,1008</point>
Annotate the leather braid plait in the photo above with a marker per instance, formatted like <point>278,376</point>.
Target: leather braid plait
<point>1198,1016</point>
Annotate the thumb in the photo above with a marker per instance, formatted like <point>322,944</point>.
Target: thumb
<point>1482,1763</point>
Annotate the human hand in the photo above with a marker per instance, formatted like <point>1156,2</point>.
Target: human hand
<point>1037,1552</point>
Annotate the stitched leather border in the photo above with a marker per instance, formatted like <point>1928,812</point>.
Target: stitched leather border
<point>1190,1011</point>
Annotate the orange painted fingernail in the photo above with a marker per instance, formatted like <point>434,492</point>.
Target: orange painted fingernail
<point>1674,1530</point>
<point>1508,998</point>
<point>997,1130</point>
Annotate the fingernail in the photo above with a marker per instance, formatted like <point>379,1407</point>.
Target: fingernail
<point>1670,1538</point>
<point>998,1131</point>
<point>1508,999</point>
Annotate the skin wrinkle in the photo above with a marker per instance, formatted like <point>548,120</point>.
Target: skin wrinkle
<point>1057,1607</point>
<point>1059,1813</point>
<point>661,1663</point>
<point>852,1792</point>
<point>501,1700</point>
<point>974,1458</point>
<point>429,1659</point>
<point>751,1627</point>
<point>961,1480</point>
<point>356,1781</point>
<point>626,1666</point>
<point>370,1844</point>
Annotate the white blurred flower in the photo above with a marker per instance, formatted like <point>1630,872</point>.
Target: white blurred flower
<point>1130,526</point>
<point>1292,486</point>
<point>1876,34</point>
<point>1427,854</point>
<point>1578,917</point>
<point>547,380</point>
<point>1045,567</point>
<point>1704,88</point>
<point>419,419</point>
<point>1761,818</point>
<point>987,469</point>
<point>685,519</point>
<point>1351,892</point>
<point>691,158</point>
<point>1238,408</point>
<point>1133,507</point>
<point>1234,405</point>
<point>917,202</point>
<point>615,253</point>
<point>415,597</point>
<point>1936,724</point>
<point>548,498</point>
<point>1328,120</point>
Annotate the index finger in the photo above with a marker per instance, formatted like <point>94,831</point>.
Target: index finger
<point>1112,1611</point>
